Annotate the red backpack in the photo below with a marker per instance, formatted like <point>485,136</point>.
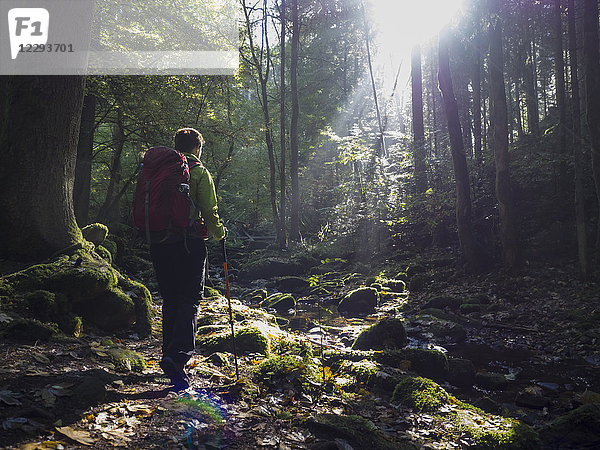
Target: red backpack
<point>161,204</point>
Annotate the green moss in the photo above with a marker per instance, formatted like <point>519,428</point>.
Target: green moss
<point>124,359</point>
<point>209,329</point>
<point>255,295</point>
<point>142,301</point>
<point>111,246</point>
<point>247,340</point>
<point>334,358</point>
<point>290,346</point>
<point>83,282</point>
<point>425,362</point>
<point>280,302</point>
<point>579,428</point>
<point>504,434</point>
<point>95,233</point>
<point>420,394</point>
<point>27,330</point>
<point>387,333</point>
<point>211,292</point>
<point>104,254</point>
<point>111,311</point>
<point>361,300</point>
<point>281,370</point>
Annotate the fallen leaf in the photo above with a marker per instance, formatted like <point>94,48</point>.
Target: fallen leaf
<point>80,436</point>
<point>41,358</point>
<point>9,398</point>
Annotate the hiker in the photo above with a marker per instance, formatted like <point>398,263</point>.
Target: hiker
<point>180,265</point>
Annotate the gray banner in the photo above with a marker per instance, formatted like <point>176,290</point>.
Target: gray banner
<point>128,37</point>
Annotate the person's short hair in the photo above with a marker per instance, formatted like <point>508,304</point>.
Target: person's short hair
<point>187,139</point>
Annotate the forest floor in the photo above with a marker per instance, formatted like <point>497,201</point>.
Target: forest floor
<point>533,341</point>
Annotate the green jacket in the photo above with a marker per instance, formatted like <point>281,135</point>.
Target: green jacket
<point>202,192</point>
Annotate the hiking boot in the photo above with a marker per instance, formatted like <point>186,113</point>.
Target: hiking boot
<point>178,377</point>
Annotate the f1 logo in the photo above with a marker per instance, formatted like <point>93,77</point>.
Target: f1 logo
<point>27,26</point>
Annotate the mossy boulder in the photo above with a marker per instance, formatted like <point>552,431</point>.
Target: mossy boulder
<point>142,302</point>
<point>425,362</point>
<point>111,311</point>
<point>444,329</point>
<point>579,428</point>
<point>359,301</point>
<point>84,282</point>
<point>357,431</point>
<point>441,302</point>
<point>284,372</point>
<point>421,394</point>
<point>210,292</point>
<point>254,295</point>
<point>468,308</point>
<point>294,284</point>
<point>111,246</point>
<point>490,380</point>
<point>280,302</point>
<point>461,372</point>
<point>393,285</point>
<point>50,307</point>
<point>121,358</point>
<point>387,333</point>
<point>270,268</point>
<point>28,330</point>
<point>95,233</point>
<point>247,340</point>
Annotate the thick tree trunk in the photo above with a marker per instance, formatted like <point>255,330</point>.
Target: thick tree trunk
<point>591,56</point>
<point>577,147</point>
<point>466,237</point>
<point>477,101</point>
<point>417,121</point>
<point>499,139</point>
<point>282,119</point>
<point>533,115</point>
<point>38,136</point>
<point>559,73</point>
<point>83,167</point>
<point>295,208</point>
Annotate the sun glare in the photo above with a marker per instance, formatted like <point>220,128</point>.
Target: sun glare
<point>402,23</point>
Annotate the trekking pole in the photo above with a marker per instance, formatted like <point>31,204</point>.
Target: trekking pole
<point>229,304</point>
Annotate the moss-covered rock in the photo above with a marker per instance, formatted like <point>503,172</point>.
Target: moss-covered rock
<point>393,285</point>
<point>113,310</point>
<point>357,431</point>
<point>210,292</point>
<point>425,362</point>
<point>443,301</point>
<point>82,282</point>
<point>504,434</point>
<point>280,302</point>
<point>387,333</point>
<point>142,302</point>
<point>490,380</point>
<point>50,307</point>
<point>95,233</point>
<point>468,308</point>
<point>294,284</point>
<point>420,394</point>
<point>461,372</point>
<point>579,428</point>
<point>254,295</point>
<point>359,301</point>
<point>247,340</point>
<point>443,329</point>
<point>121,358</point>
<point>111,246</point>
<point>27,330</point>
<point>270,267</point>
<point>287,372</point>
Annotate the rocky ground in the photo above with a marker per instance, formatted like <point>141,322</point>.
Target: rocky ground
<point>488,361</point>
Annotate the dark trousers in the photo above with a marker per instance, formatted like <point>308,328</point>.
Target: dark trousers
<point>180,278</point>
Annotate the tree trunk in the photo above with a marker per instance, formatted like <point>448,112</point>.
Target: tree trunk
<point>592,91</point>
<point>38,136</point>
<point>109,212</point>
<point>295,209</point>
<point>263,78</point>
<point>83,166</point>
<point>466,237</point>
<point>499,140</point>
<point>417,121</point>
<point>533,115</point>
<point>577,147</point>
<point>282,119</point>
<point>477,101</point>
<point>559,73</point>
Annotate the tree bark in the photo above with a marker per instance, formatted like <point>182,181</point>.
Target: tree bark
<point>533,115</point>
<point>466,237</point>
<point>577,148</point>
<point>420,171</point>
<point>499,142</point>
<point>559,73</point>
<point>38,136</point>
<point>295,207</point>
<point>83,166</point>
<point>477,154</point>
<point>591,57</point>
<point>282,120</point>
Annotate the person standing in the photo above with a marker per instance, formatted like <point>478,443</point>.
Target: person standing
<point>180,265</point>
